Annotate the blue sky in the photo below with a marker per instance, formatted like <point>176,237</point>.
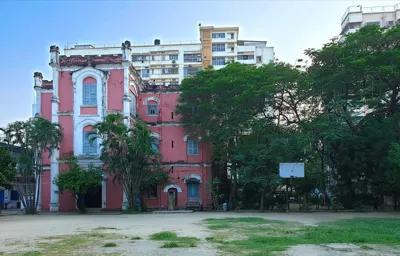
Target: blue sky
<point>28,28</point>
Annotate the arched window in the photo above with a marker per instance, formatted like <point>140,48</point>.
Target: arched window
<point>152,108</point>
<point>192,146</point>
<point>192,188</point>
<point>155,145</point>
<point>89,89</point>
<point>89,143</point>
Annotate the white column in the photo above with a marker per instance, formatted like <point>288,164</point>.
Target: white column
<point>54,167</point>
<point>126,53</point>
<point>104,194</point>
<point>38,104</point>
<point>39,194</point>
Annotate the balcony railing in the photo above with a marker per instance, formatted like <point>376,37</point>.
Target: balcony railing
<point>160,88</point>
<point>375,9</point>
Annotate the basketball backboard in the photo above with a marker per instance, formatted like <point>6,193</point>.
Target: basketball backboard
<point>291,170</point>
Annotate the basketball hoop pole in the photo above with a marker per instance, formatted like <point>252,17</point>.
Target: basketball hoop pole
<point>287,193</point>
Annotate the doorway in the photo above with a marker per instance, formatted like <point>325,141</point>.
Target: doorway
<point>172,198</point>
<point>93,198</point>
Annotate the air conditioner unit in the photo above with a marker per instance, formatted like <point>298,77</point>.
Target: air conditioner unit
<point>198,59</point>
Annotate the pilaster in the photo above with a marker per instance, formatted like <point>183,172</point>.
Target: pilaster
<point>126,62</point>
<point>38,78</point>
<point>54,164</point>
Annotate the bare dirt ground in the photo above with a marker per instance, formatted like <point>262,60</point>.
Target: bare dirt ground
<point>22,230</point>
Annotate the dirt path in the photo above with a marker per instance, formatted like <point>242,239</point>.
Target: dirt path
<point>26,228</point>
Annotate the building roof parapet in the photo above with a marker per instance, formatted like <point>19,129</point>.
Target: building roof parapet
<point>374,9</point>
<point>90,60</point>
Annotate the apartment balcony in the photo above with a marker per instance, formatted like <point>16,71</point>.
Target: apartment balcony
<point>153,88</point>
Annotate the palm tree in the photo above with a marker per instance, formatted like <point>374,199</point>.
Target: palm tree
<point>127,153</point>
<point>34,137</point>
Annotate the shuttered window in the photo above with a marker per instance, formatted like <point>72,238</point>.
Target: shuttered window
<point>88,146</point>
<point>89,95</point>
<point>192,147</point>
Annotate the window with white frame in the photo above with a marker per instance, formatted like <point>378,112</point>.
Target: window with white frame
<point>218,35</point>
<point>245,57</point>
<point>89,143</point>
<point>217,61</point>
<point>144,73</point>
<point>89,94</point>
<point>218,47</point>
<point>192,147</point>
<point>152,109</point>
<point>173,57</point>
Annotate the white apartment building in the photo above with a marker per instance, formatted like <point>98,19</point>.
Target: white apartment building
<point>357,16</point>
<point>169,63</point>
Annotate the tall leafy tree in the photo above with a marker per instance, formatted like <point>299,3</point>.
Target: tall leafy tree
<point>223,103</point>
<point>7,168</point>
<point>127,154</point>
<point>34,137</point>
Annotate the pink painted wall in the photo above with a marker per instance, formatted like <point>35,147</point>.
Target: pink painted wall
<point>167,106</point>
<point>89,80</point>
<point>46,114</point>
<point>115,90</point>
<point>46,105</point>
<point>114,194</point>
<point>67,144</point>
<point>65,92</point>
<point>175,135</point>
<point>67,201</point>
<point>46,183</point>
<point>89,111</point>
<point>177,178</point>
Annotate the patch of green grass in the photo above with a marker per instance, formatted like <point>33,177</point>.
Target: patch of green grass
<point>170,245</point>
<point>172,238</point>
<point>110,244</point>
<point>366,247</point>
<point>96,235</point>
<point>263,237</point>
<point>105,228</point>
<point>32,253</point>
<point>164,236</point>
<point>136,238</point>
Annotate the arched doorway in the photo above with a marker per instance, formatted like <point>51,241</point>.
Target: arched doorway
<point>172,198</point>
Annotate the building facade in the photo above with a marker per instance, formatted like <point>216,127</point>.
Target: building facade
<point>169,63</point>
<point>91,82</point>
<point>357,16</point>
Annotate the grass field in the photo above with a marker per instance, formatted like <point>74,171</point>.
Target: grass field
<point>257,236</point>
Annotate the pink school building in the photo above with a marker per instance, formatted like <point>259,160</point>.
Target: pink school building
<point>86,88</point>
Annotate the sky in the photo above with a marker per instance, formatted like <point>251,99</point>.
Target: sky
<point>28,28</point>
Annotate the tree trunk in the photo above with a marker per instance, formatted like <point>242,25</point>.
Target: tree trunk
<point>232,194</point>
<point>262,200</point>
<point>80,203</point>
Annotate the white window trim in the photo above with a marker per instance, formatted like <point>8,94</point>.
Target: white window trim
<point>179,189</point>
<point>78,135</point>
<point>80,121</point>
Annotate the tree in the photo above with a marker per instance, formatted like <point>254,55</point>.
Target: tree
<point>127,153</point>
<point>7,168</point>
<point>78,181</point>
<point>34,137</point>
<point>357,80</point>
<point>222,104</point>
<point>358,72</point>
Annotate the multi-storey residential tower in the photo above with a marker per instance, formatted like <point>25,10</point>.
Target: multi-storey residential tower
<point>358,16</point>
<point>169,63</point>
